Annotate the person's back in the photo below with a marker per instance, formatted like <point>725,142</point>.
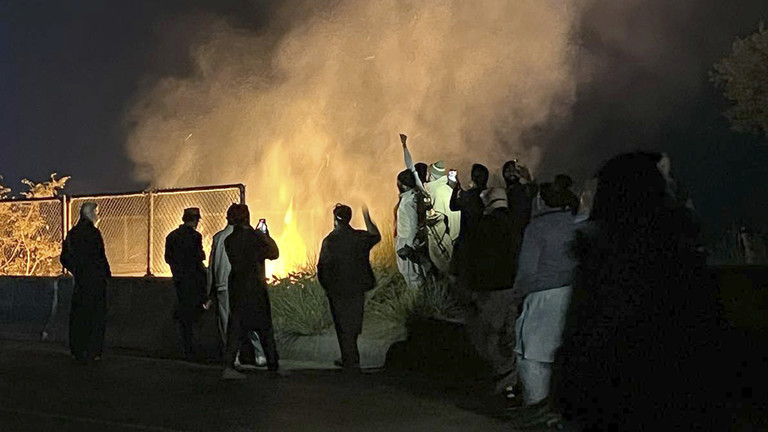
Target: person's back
<point>547,241</point>
<point>468,202</point>
<point>220,266</point>
<point>490,254</point>
<point>247,250</point>
<point>184,254</point>
<point>642,323</point>
<point>250,308</point>
<point>344,271</point>
<point>347,263</point>
<point>83,252</point>
<point>441,193</point>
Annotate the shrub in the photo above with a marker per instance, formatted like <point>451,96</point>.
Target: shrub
<point>300,306</point>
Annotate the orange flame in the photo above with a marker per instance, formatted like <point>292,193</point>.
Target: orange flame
<point>293,250</point>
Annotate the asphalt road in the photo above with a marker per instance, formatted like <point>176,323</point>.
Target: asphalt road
<point>42,388</point>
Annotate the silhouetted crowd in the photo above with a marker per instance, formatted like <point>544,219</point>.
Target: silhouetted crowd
<point>592,312</point>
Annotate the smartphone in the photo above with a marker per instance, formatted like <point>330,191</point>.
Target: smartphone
<point>452,175</point>
<point>262,225</point>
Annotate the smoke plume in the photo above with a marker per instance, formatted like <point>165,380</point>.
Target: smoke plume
<point>306,111</point>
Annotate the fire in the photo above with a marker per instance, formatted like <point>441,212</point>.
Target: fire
<point>293,250</point>
<point>307,115</point>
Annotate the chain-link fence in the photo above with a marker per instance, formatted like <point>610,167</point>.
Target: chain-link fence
<point>168,207</point>
<point>134,227</point>
<point>123,224</point>
<point>31,232</point>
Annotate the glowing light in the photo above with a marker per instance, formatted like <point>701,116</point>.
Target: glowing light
<point>293,250</point>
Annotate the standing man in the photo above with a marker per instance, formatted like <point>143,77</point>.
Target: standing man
<point>344,271</point>
<point>83,254</point>
<point>184,253</point>
<point>408,246</point>
<point>249,306</point>
<point>218,280</point>
<point>444,233</point>
<point>471,207</point>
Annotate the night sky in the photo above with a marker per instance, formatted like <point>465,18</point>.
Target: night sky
<point>69,71</point>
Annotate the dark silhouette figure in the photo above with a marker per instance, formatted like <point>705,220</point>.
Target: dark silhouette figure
<point>489,275</point>
<point>344,271</point>
<point>471,207</point>
<point>249,305</point>
<point>563,183</point>
<point>643,319</point>
<point>421,170</point>
<point>543,282</point>
<point>520,190</point>
<point>184,253</point>
<point>83,254</point>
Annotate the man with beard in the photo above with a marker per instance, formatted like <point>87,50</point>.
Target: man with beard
<point>184,253</point>
<point>83,254</point>
<point>249,305</point>
<point>344,271</point>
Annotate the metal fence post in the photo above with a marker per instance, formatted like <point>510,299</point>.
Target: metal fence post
<point>150,231</point>
<point>242,193</point>
<point>64,223</point>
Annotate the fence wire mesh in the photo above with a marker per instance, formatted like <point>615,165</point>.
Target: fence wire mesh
<point>134,227</point>
<point>123,221</point>
<point>169,207</point>
<point>31,232</point>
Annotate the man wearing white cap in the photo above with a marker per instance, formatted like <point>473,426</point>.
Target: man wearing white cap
<point>444,224</point>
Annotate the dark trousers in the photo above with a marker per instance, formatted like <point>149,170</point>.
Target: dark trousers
<point>186,314</point>
<point>243,319</point>
<point>347,314</point>
<point>87,320</point>
<point>189,293</point>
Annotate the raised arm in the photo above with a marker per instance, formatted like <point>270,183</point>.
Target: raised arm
<point>410,165</point>
<point>370,226</point>
<point>267,246</point>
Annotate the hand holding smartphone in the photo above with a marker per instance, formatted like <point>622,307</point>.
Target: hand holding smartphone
<point>452,175</point>
<point>262,225</point>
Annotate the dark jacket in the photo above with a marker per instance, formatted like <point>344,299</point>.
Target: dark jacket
<point>471,207</point>
<point>641,327</point>
<point>490,254</point>
<point>82,253</point>
<point>247,249</point>
<point>184,253</point>
<point>344,266</point>
<point>520,203</point>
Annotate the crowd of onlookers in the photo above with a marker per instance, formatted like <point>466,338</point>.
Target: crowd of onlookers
<point>591,309</point>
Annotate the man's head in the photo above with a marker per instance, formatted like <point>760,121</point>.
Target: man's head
<point>90,211</point>
<point>342,214</point>
<point>405,181</point>
<point>241,215</point>
<point>191,217</point>
<point>509,172</point>
<point>231,214</point>
<point>437,170</point>
<point>421,170</point>
<point>479,175</point>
